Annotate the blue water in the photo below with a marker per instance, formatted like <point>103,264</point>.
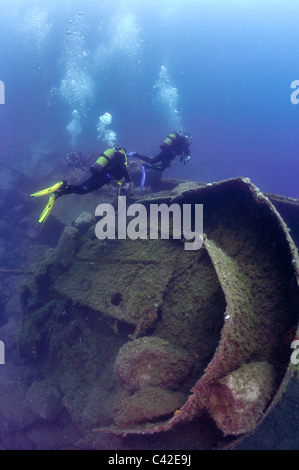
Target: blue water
<point>227,68</point>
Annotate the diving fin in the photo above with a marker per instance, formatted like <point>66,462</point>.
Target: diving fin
<point>143,176</point>
<point>50,190</point>
<point>47,209</point>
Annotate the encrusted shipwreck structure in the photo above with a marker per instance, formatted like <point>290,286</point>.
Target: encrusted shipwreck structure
<point>157,347</point>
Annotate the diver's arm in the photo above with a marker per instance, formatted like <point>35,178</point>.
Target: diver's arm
<point>126,174</point>
<point>186,151</point>
<point>186,154</point>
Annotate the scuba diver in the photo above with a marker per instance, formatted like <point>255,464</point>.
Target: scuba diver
<point>110,165</point>
<point>176,143</point>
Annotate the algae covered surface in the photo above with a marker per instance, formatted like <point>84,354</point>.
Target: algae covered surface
<point>143,337</point>
<point>111,294</point>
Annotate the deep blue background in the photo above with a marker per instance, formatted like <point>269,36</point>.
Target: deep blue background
<point>232,63</point>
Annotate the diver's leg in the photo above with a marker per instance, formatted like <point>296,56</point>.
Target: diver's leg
<point>160,161</point>
<point>143,157</point>
<point>152,161</point>
<point>158,158</point>
<point>94,182</point>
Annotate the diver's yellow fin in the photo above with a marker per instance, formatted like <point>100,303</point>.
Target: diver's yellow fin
<point>46,191</point>
<point>47,209</point>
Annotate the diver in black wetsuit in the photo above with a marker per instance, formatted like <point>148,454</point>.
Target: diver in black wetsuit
<point>176,143</point>
<point>111,164</point>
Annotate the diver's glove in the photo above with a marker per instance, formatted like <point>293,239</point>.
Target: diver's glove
<point>125,187</point>
<point>184,159</point>
<point>131,154</point>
